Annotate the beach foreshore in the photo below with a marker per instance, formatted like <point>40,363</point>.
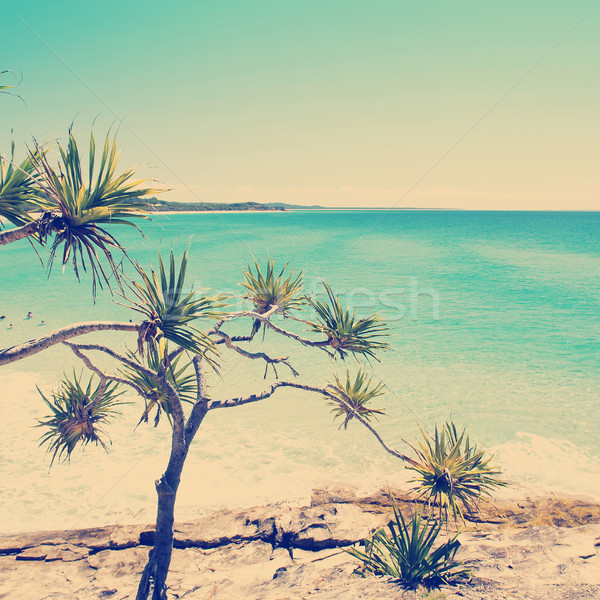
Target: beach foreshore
<point>537,548</point>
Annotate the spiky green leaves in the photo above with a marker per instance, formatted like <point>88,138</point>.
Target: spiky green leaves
<point>156,397</point>
<point>452,473</point>
<point>266,290</point>
<point>169,310</point>
<point>18,190</point>
<point>352,397</point>
<point>345,331</point>
<point>78,412</point>
<point>79,200</point>
<point>407,552</point>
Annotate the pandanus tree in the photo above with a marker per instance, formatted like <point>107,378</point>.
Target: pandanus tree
<point>181,335</point>
<point>68,207</point>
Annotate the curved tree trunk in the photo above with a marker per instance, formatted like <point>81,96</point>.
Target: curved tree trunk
<point>159,558</point>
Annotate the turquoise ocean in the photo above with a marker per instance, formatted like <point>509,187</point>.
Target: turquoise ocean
<point>494,321</point>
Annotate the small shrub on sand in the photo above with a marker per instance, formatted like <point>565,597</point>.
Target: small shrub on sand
<point>406,552</point>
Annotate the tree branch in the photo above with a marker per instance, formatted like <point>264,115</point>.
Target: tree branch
<point>265,318</point>
<point>178,436</point>
<point>14,353</point>
<point>247,399</point>
<point>88,363</point>
<point>18,233</point>
<point>324,392</point>
<point>257,355</point>
<point>345,402</point>
<point>126,361</point>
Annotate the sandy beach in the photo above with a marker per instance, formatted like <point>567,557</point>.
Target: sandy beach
<point>545,548</point>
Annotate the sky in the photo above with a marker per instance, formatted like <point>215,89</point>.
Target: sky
<point>386,103</point>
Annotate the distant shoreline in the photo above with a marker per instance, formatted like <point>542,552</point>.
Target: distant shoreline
<point>297,208</point>
<point>212,212</point>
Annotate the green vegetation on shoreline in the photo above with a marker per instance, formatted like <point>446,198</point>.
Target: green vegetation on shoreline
<point>166,205</point>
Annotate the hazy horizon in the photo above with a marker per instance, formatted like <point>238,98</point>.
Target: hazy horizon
<point>340,104</point>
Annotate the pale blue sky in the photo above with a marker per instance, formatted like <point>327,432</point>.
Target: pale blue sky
<point>339,103</point>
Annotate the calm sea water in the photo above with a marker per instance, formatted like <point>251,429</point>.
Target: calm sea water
<point>494,319</point>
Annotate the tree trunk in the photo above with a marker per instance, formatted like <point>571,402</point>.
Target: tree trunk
<point>159,558</point>
<point>163,539</point>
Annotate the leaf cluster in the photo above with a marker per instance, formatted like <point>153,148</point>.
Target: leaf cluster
<point>345,331</point>
<point>19,193</point>
<point>78,412</point>
<point>268,290</point>
<point>169,310</point>
<point>352,397</point>
<point>453,473</point>
<point>406,551</point>
<point>79,202</point>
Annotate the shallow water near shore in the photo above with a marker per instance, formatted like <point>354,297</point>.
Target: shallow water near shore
<point>494,321</point>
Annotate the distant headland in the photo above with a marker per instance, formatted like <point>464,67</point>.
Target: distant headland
<point>154,204</point>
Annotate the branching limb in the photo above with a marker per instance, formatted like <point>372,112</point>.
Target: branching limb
<point>216,330</point>
<point>265,318</point>
<point>88,363</point>
<point>319,390</point>
<point>14,353</point>
<point>18,233</point>
<point>160,378</point>
<point>103,378</point>
<point>234,338</point>
<point>247,399</point>
<point>258,355</point>
<point>298,319</point>
<point>120,357</point>
<point>345,401</point>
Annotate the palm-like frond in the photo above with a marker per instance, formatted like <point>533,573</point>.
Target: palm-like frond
<point>77,414</point>
<point>407,552</point>
<point>156,397</point>
<point>268,290</point>
<point>452,473</point>
<point>356,394</point>
<point>78,201</point>
<point>169,310</point>
<point>345,331</point>
<point>18,190</point>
